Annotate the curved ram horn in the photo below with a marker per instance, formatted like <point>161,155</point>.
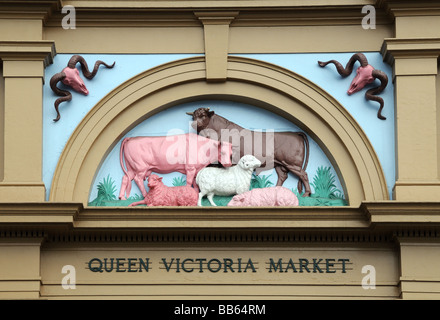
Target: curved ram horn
<point>84,67</point>
<point>349,67</point>
<point>66,95</point>
<point>371,94</point>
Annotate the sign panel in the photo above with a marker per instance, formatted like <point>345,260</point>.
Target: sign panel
<point>312,266</point>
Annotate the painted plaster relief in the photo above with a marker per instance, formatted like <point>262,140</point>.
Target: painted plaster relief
<point>365,74</point>
<point>69,76</point>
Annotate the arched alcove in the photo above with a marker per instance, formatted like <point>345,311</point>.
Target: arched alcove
<point>249,81</point>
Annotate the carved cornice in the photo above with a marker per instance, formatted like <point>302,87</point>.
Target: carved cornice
<point>25,9</point>
<point>38,213</point>
<point>253,12</point>
<point>181,13</point>
<point>402,8</point>
<point>393,213</point>
<point>220,4</point>
<point>226,218</point>
<point>371,222</point>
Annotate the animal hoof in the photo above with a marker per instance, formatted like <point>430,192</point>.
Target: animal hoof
<point>306,194</point>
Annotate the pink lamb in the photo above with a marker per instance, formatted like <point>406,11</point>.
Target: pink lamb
<point>265,197</point>
<point>160,195</point>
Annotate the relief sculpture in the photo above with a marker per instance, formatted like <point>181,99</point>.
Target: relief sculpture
<point>161,195</point>
<point>365,74</point>
<point>265,197</point>
<point>226,181</point>
<point>286,151</point>
<point>70,77</point>
<point>212,177</point>
<point>186,153</point>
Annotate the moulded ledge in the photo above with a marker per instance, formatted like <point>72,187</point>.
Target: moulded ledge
<point>45,213</point>
<point>403,213</point>
<point>224,217</point>
<point>79,217</point>
<point>369,215</point>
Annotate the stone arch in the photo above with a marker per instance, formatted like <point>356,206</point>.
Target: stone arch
<point>249,81</point>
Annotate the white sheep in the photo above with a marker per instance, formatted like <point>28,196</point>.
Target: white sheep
<point>226,181</point>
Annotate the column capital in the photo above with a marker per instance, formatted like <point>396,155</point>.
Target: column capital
<point>28,50</point>
<point>399,8</point>
<point>29,9</point>
<point>393,48</point>
<point>216,17</point>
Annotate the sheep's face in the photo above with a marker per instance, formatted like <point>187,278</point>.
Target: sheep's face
<point>154,181</point>
<point>249,162</point>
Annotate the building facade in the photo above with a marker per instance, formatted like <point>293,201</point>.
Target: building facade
<point>369,156</point>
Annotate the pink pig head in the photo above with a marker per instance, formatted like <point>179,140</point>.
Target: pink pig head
<point>73,80</point>
<point>364,76</point>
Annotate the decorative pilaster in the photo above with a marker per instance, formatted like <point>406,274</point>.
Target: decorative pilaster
<point>415,74</point>
<point>419,272</point>
<point>414,64</point>
<point>23,72</point>
<point>20,272</point>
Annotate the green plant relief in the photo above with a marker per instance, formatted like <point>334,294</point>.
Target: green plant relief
<point>179,181</point>
<point>325,191</point>
<point>260,181</point>
<point>324,184</point>
<point>106,192</point>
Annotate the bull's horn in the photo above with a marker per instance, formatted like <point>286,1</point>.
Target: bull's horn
<point>190,113</point>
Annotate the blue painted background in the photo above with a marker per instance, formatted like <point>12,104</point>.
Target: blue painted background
<point>56,134</point>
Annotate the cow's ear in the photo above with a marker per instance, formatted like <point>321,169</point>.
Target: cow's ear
<point>160,179</point>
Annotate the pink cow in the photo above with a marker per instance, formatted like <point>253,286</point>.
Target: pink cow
<point>265,197</point>
<point>185,153</point>
<point>161,196</point>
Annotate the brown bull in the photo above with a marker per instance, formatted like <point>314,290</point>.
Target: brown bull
<point>284,151</point>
